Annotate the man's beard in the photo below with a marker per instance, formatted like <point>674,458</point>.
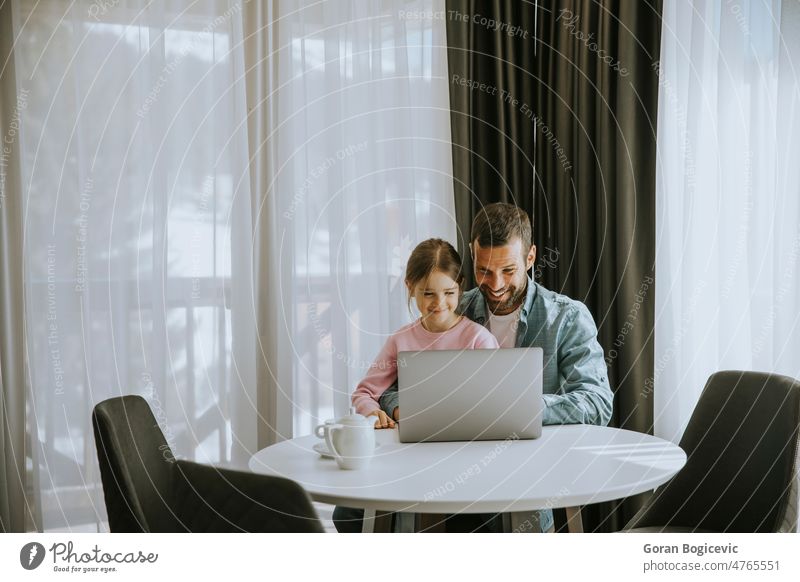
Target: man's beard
<point>506,306</point>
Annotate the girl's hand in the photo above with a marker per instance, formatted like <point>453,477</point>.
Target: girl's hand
<point>396,413</point>
<point>383,420</point>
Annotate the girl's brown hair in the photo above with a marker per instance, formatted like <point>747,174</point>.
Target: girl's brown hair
<point>432,255</point>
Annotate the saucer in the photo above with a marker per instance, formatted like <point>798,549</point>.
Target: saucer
<point>323,451</point>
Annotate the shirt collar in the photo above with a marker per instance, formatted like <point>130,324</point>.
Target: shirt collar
<point>530,297</point>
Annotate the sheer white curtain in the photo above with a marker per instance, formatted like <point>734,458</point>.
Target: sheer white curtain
<point>133,141</point>
<point>167,149</point>
<point>728,194</point>
<point>350,138</point>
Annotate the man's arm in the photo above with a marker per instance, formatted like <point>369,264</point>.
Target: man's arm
<point>586,396</point>
<point>390,400</point>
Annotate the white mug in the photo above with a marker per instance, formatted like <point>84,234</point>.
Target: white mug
<point>320,430</point>
<point>350,439</point>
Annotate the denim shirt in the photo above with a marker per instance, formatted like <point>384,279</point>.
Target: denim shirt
<point>575,378</point>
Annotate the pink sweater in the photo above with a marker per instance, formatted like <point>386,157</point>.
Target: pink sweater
<point>382,374</point>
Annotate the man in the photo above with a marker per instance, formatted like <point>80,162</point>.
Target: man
<point>522,313</point>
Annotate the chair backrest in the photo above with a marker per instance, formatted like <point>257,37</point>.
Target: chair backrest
<point>136,465</point>
<point>212,499</point>
<point>147,490</point>
<point>741,446</point>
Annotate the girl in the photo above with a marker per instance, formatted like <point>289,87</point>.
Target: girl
<point>434,280</point>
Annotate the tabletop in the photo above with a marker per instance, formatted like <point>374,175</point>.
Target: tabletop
<point>569,465</point>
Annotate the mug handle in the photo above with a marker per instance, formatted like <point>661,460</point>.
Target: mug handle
<point>320,429</point>
<point>329,441</point>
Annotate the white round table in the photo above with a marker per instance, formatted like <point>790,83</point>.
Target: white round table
<point>568,466</point>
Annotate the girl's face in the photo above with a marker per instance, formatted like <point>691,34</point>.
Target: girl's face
<point>437,299</point>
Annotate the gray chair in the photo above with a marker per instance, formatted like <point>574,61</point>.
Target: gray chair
<point>147,490</point>
<point>741,471</point>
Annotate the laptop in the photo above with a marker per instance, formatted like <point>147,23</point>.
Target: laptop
<point>466,395</point>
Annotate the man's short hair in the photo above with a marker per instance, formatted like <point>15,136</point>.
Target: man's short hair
<point>497,224</point>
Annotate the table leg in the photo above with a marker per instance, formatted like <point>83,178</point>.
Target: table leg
<point>574,521</point>
<point>368,523</point>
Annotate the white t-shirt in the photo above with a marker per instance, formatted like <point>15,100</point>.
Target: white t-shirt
<point>504,328</point>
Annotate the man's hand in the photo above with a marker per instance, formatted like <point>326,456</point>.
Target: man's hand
<point>383,420</point>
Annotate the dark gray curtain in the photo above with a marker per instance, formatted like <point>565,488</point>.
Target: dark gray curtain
<point>493,141</point>
<point>564,126</point>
